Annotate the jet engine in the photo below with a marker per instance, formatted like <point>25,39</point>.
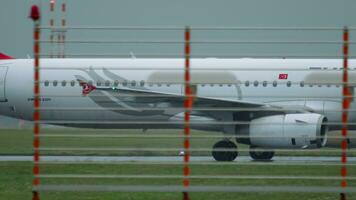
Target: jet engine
<point>290,131</point>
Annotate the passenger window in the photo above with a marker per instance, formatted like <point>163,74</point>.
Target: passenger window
<point>142,83</point>
<point>302,84</point>
<point>289,83</point>
<point>98,83</point>
<point>133,83</point>
<point>107,83</point>
<point>247,83</point>
<point>124,83</point>
<point>55,83</point>
<point>116,83</point>
<point>72,83</point>
<point>46,83</point>
<point>274,83</point>
<point>255,83</point>
<point>264,83</point>
<point>64,83</point>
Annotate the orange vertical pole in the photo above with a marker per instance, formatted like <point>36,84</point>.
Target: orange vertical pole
<point>35,15</point>
<point>345,108</point>
<point>188,103</point>
<point>63,32</point>
<point>51,24</point>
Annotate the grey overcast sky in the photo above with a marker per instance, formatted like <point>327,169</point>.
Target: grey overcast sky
<point>16,28</point>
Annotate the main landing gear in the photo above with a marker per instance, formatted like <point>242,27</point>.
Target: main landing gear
<point>259,155</point>
<point>226,151</point>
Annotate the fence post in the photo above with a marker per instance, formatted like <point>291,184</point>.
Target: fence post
<point>345,109</point>
<point>35,16</point>
<point>188,103</point>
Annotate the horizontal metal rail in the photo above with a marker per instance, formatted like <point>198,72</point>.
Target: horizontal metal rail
<point>197,163</point>
<point>173,188</point>
<point>168,136</point>
<point>178,122</point>
<point>125,149</point>
<point>200,28</point>
<point>311,42</point>
<point>160,176</point>
<point>306,109</point>
<point>193,68</point>
<point>202,56</point>
<point>230,97</point>
<point>207,83</point>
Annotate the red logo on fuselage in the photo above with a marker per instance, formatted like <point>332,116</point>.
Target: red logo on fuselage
<point>283,76</point>
<point>87,88</point>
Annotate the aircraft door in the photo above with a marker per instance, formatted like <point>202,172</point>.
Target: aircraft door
<point>3,72</point>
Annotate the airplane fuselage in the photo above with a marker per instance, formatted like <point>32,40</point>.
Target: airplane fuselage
<point>306,84</point>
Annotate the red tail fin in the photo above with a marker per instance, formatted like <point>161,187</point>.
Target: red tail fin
<point>5,57</point>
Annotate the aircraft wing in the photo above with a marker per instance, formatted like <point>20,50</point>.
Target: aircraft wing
<point>210,104</point>
<point>147,96</point>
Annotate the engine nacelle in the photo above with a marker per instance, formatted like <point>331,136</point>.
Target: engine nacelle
<point>286,131</point>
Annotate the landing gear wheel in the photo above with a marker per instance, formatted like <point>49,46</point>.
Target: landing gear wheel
<point>259,155</point>
<point>220,155</point>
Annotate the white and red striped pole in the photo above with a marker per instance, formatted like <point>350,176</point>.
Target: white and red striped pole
<point>188,103</point>
<point>345,109</point>
<point>52,4</point>
<point>63,32</point>
<point>35,16</point>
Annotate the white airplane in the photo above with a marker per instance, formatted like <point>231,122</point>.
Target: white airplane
<point>265,103</point>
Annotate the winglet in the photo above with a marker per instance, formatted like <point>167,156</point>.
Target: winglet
<point>5,57</point>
